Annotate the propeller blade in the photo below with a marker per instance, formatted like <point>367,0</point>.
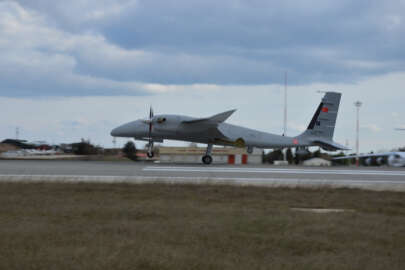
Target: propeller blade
<point>151,113</point>
<point>150,124</point>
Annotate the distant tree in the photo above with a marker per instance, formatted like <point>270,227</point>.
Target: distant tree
<point>129,150</point>
<point>299,158</point>
<point>85,148</point>
<point>274,155</point>
<point>290,156</point>
<point>317,154</point>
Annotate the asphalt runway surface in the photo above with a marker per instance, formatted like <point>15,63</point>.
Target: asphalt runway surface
<point>375,178</point>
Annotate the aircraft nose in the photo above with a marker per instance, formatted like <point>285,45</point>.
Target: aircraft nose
<point>120,131</point>
<point>115,132</point>
<point>126,130</point>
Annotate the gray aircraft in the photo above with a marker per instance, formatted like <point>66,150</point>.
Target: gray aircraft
<point>393,159</point>
<point>213,131</point>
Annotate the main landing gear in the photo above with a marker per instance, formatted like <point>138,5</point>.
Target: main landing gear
<point>207,159</point>
<point>150,154</point>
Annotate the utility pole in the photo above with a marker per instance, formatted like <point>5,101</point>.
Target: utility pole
<point>358,105</point>
<point>285,112</point>
<point>285,104</point>
<point>114,141</point>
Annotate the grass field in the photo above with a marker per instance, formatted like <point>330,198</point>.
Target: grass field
<point>157,226</point>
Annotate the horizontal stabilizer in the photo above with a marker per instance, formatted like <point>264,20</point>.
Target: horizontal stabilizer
<point>218,118</point>
<point>329,145</point>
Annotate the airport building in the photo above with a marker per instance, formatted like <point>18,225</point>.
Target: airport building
<point>220,155</point>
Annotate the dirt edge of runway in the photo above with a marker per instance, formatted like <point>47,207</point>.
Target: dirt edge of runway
<point>258,182</point>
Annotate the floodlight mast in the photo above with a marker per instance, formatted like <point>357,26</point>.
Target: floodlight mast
<point>358,105</point>
<point>285,104</point>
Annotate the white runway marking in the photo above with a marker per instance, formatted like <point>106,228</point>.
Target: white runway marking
<point>271,170</point>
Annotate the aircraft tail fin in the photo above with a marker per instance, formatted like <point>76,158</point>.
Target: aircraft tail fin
<point>322,126</point>
<point>323,122</point>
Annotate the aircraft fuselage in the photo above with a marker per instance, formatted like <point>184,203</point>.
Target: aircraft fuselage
<point>172,127</point>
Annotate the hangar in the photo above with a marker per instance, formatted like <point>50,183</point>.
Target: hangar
<point>221,155</point>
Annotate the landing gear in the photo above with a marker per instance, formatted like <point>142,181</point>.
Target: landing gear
<point>150,152</point>
<point>207,159</point>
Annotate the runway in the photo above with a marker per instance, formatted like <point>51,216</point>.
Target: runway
<point>263,175</point>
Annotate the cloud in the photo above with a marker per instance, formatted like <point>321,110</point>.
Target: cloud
<point>372,127</point>
<point>38,60</point>
<point>259,107</point>
<point>130,47</point>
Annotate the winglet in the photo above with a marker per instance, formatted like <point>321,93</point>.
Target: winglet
<point>221,117</point>
<point>216,119</point>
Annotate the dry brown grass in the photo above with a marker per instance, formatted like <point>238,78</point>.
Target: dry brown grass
<point>157,226</point>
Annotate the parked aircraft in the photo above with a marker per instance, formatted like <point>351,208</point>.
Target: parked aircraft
<point>213,131</point>
<point>393,159</point>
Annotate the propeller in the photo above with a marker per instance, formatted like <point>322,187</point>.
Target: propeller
<point>150,123</point>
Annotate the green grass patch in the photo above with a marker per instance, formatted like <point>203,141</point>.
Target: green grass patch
<point>158,226</point>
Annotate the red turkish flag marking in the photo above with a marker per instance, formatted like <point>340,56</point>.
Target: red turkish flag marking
<point>325,109</point>
<point>295,141</point>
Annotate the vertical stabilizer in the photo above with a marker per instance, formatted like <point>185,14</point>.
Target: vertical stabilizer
<point>323,122</point>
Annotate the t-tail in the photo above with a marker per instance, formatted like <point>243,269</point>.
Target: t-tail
<point>322,126</point>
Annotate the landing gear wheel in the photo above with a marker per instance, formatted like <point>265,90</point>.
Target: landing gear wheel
<point>207,159</point>
<point>150,154</point>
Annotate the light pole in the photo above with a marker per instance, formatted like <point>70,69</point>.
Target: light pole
<point>358,105</point>
<point>285,112</point>
<point>285,104</point>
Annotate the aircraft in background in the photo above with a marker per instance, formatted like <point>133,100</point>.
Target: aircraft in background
<point>393,159</point>
<point>213,131</point>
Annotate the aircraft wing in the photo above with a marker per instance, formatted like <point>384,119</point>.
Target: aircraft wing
<point>215,119</point>
<point>367,155</point>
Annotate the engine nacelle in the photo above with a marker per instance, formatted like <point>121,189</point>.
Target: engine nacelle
<point>380,161</point>
<point>396,160</point>
<point>301,151</point>
<point>368,161</point>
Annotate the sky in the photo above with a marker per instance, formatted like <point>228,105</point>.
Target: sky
<point>76,69</point>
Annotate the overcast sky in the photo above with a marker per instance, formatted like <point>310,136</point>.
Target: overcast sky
<point>76,69</point>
